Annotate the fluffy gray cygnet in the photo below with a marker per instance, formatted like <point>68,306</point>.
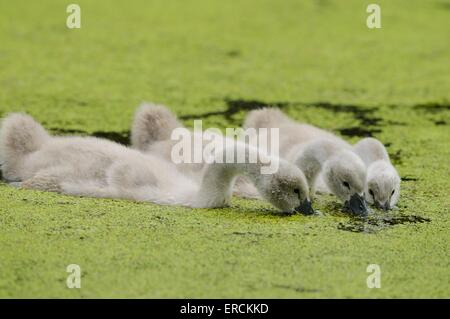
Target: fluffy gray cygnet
<point>151,131</point>
<point>317,153</point>
<point>88,166</point>
<point>383,181</point>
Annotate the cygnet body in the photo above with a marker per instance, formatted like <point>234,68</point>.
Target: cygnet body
<point>383,181</point>
<point>317,153</point>
<point>151,133</point>
<point>94,167</point>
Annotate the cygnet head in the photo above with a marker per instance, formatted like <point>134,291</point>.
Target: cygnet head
<point>286,189</point>
<point>345,175</point>
<point>383,185</point>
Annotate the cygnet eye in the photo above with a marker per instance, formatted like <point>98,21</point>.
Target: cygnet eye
<point>393,191</point>
<point>371,192</point>
<point>346,184</point>
<point>297,191</point>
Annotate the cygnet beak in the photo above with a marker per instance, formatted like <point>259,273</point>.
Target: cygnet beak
<point>357,205</point>
<point>305,208</point>
<point>386,206</point>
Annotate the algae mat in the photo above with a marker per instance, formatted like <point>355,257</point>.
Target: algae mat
<point>216,60</point>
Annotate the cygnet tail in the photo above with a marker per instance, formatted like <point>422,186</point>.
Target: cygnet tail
<point>265,118</point>
<point>20,135</point>
<point>371,150</point>
<point>152,123</point>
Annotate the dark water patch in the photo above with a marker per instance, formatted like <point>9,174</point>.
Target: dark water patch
<point>395,123</point>
<point>261,211</point>
<point>404,219</point>
<point>279,214</point>
<point>409,179</point>
<point>433,107</point>
<point>358,131</point>
<point>396,157</point>
<point>234,106</point>
<point>63,131</point>
<point>240,104</point>
<point>440,122</point>
<point>364,114</point>
<point>355,227</point>
<point>233,53</point>
<point>369,123</point>
<point>122,137</point>
<point>376,223</point>
<point>295,288</point>
<point>336,208</point>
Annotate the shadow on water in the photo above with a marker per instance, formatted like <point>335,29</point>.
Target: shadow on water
<point>409,179</point>
<point>396,157</point>
<point>358,131</point>
<point>234,107</point>
<point>122,137</point>
<point>440,122</point>
<point>270,212</point>
<point>233,53</point>
<point>369,123</point>
<point>376,222</point>
<point>433,107</point>
<point>395,123</point>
